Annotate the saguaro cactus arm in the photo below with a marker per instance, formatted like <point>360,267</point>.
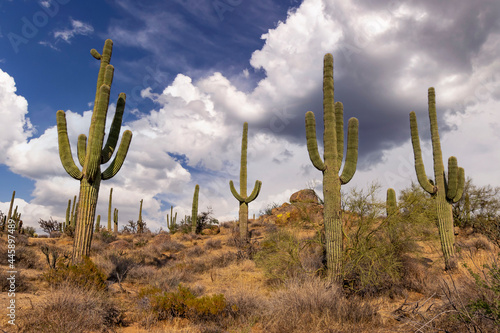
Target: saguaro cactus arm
<point>114,131</point>
<point>255,192</point>
<point>312,142</point>
<point>351,160</point>
<point>65,148</point>
<point>417,153</point>
<point>235,193</point>
<point>117,162</point>
<point>82,148</point>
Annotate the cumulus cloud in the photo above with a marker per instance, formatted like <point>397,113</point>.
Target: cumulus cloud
<point>385,59</point>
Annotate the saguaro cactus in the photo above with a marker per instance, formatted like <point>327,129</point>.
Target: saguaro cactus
<point>140,223</point>
<point>194,211</point>
<point>115,220</point>
<point>9,215</point>
<point>109,208</point>
<point>171,221</point>
<point>98,223</point>
<point>92,154</point>
<point>333,140</point>
<point>242,196</point>
<point>391,204</point>
<point>445,191</point>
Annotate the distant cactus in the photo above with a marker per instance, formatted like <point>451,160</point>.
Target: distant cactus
<point>140,222</point>
<point>445,192</point>
<point>98,223</point>
<point>115,220</point>
<point>242,196</point>
<point>391,203</point>
<point>194,211</point>
<point>109,208</point>
<point>93,153</point>
<point>171,221</point>
<point>333,141</point>
<point>9,215</point>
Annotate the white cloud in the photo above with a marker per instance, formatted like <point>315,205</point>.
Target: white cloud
<point>195,134</point>
<point>77,28</point>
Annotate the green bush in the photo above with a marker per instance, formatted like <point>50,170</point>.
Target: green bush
<point>184,304</point>
<point>85,275</point>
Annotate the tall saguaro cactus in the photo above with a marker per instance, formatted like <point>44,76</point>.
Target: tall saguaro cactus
<point>140,222</point>
<point>93,153</point>
<point>242,197</point>
<point>333,140</point>
<point>194,211</point>
<point>445,191</point>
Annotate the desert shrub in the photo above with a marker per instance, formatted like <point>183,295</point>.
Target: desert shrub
<point>20,282</point>
<point>29,231</point>
<point>213,244</point>
<point>194,251</point>
<point>279,256</point>
<point>105,236</point>
<point>315,305</point>
<point>72,309</point>
<point>486,304</point>
<point>121,266</point>
<point>269,209</point>
<point>49,226</point>
<point>25,256</point>
<point>376,246</point>
<point>52,253</point>
<point>184,304</point>
<point>84,275</point>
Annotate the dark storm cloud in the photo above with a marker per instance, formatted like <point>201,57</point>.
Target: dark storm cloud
<point>370,75</point>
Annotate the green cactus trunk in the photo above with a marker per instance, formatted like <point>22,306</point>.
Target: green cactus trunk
<point>109,208</point>
<point>171,221</point>
<point>93,153</point>
<point>115,220</point>
<point>445,193</point>
<point>242,197</point>
<point>194,211</point>
<point>98,223</point>
<point>73,216</point>
<point>9,215</point>
<point>140,225</point>
<point>391,205</point>
<point>333,138</point>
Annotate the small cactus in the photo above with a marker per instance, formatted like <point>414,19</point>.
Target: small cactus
<point>242,197</point>
<point>115,220</point>
<point>194,211</point>
<point>391,203</point>
<point>140,222</point>
<point>98,223</point>
<point>171,221</point>
<point>109,208</point>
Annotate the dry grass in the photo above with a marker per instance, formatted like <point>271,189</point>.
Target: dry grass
<point>221,264</point>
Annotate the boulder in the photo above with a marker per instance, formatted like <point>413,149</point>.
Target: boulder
<point>212,230</point>
<point>305,196</point>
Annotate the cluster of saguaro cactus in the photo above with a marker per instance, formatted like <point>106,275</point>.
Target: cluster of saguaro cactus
<point>444,191</point>
<point>242,197</point>
<point>171,221</point>
<point>94,152</point>
<point>194,210</point>
<point>333,140</point>
<point>70,214</point>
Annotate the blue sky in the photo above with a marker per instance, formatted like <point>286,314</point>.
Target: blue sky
<point>195,70</point>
